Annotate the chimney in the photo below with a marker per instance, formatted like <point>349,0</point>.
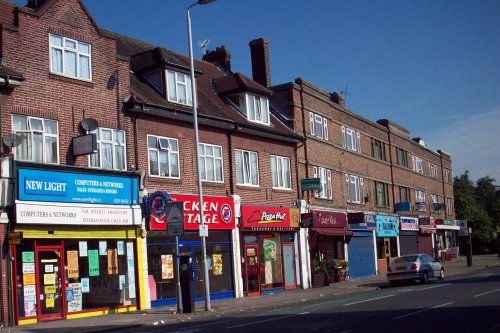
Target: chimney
<point>338,98</point>
<point>221,57</point>
<point>35,4</point>
<point>261,65</point>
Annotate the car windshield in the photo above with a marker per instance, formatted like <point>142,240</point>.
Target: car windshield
<point>406,259</point>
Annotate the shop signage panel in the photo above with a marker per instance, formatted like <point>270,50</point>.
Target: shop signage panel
<point>269,218</point>
<point>409,223</point>
<point>426,221</point>
<point>218,212</point>
<point>368,222</point>
<point>310,184</point>
<point>464,231</point>
<point>59,214</point>
<point>56,186</point>
<point>323,219</point>
<point>403,207</point>
<point>387,226</point>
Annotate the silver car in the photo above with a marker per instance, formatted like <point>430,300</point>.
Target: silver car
<point>414,267</point>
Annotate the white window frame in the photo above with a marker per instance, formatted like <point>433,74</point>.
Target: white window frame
<point>64,50</point>
<point>418,164</point>
<point>354,189</point>
<point>281,173</point>
<point>212,160</point>
<point>432,170</point>
<point>318,126</point>
<point>325,178</point>
<point>382,201</point>
<point>179,80</point>
<point>96,159</point>
<point>166,146</point>
<point>257,109</point>
<point>248,175</point>
<point>29,132</point>
<point>420,197</point>
<point>351,139</point>
<point>434,200</point>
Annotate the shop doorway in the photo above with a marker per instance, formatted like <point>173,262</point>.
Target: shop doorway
<point>50,291</point>
<point>289,266</point>
<point>197,272</point>
<point>251,274</point>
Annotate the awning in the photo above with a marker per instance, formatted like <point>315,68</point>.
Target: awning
<point>447,227</point>
<point>333,231</point>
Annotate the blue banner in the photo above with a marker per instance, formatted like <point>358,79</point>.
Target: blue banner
<point>387,226</point>
<point>56,186</point>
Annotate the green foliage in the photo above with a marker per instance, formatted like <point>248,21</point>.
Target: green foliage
<point>479,204</point>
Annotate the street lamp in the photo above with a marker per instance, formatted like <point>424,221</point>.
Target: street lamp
<point>197,141</point>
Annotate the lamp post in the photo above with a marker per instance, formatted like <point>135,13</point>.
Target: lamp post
<point>197,141</point>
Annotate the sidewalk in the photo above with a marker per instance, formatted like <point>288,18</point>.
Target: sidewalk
<point>222,308</point>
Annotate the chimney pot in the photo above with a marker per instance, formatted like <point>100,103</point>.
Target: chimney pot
<point>221,57</point>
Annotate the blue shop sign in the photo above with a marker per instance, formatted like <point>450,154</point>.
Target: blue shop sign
<point>367,224</point>
<point>387,226</point>
<point>55,186</point>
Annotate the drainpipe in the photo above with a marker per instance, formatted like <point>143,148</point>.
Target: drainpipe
<point>230,156</point>
<point>304,132</point>
<point>392,170</point>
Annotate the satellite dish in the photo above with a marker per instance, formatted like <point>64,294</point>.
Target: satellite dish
<point>11,140</point>
<point>89,124</point>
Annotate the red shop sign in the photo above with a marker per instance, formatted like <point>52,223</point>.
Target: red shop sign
<point>266,218</point>
<point>322,219</point>
<point>218,212</point>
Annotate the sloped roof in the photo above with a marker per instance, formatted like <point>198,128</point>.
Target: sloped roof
<point>211,102</point>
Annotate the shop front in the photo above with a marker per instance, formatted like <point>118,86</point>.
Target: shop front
<point>327,242</point>
<point>408,235</point>
<point>269,249</point>
<point>387,232</point>
<point>162,249</point>
<point>447,239</point>
<point>361,250</point>
<point>76,253</point>
<point>427,230</point>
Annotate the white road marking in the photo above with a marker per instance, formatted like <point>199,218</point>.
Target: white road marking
<point>423,310</point>
<point>368,300</point>
<point>486,293</point>
<point>436,286</point>
<point>262,321</point>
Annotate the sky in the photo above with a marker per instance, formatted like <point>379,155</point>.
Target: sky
<point>432,66</point>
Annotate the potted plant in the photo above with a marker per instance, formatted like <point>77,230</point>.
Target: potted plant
<point>319,269</point>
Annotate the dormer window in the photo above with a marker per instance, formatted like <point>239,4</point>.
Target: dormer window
<point>257,109</point>
<point>179,88</point>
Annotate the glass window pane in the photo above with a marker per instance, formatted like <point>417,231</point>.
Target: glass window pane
<point>50,126</point>
<point>239,167</point>
<point>274,171</point>
<point>70,64</point>
<point>70,44</point>
<point>83,48</point>
<point>107,155</point>
<point>50,149</point>
<point>254,169</point>
<point>37,147</point>
<point>56,60</point>
<point>153,163</point>
<point>173,145</point>
<point>174,165</point>
<point>181,94</point>
<point>106,135</point>
<point>84,67</point>
<point>218,151</point>
<point>120,137</point>
<point>152,141</point>
<point>218,170</point>
<point>209,150</point>
<point>189,91</point>
<point>94,160</point>
<point>55,40</point>
<point>19,122</point>
<point>36,124</point>
<point>119,157</point>
<point>172,96</point>
<point>164,171</point>
<point>23,150</point>
<point>210,168</point>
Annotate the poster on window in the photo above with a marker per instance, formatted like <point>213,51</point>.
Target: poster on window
<point>269,250</point>
<point>75,304</point>
<point>131,269</point>
<point>120,246</point>
<point>29,290</point>
<point>112,261</point>
<point>29,306</point>
<point>72,257</point>
<point>83,248</point>
<point>28,268</point>
<point>217,263</point>
<point>93,262</point>
<point>28,256</point>
<point>103,246</point>
<point>85,285</point>
<point>167,266</point>
<point>28,279</point>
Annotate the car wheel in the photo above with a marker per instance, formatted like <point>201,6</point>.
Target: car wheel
<point>425,277</point>
<point>441,274</point>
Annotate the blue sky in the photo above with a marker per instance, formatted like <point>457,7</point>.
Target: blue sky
<point>430,66</point>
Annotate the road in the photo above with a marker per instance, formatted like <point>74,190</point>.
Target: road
<point>466,304</point>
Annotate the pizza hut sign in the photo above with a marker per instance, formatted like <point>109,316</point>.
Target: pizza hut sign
<point>268,218</point>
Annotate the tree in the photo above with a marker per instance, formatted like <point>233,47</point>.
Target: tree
<point>470,204</point>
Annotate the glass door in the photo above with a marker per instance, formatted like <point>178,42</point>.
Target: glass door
<point>289,266</point>
<point>50,293</point>
<point>251,271</point>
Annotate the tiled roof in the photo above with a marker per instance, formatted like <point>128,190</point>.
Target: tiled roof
<point>210,81</point>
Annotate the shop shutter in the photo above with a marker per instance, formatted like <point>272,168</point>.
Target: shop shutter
<point>408,243</point>
<point>361,255</point>
<point>425,244</point>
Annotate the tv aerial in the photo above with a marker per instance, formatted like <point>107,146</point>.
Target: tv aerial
<point>203,45</point>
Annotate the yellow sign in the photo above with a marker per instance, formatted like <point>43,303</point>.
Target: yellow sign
<point>49,301</point>
<point>112,261</point>
<point>72,257</point>
<point>14,238</point>
<point>28,279</point>
<point>50,289</point>
<point>49,279</point>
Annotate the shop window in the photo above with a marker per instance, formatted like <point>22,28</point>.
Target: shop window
<point>271,261</point>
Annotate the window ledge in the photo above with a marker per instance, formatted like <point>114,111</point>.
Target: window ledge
<point>71,80</point>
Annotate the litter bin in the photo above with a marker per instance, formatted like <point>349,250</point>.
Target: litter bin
<point>186,281</point>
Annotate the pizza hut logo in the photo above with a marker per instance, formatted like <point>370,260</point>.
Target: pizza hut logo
<point>226,213</point>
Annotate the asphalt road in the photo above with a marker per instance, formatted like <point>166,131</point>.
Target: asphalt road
<point>469,303</point>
